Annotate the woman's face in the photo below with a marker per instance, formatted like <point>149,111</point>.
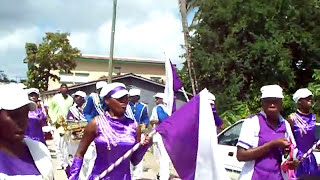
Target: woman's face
<point>272,107</point>
<point>78,100</point>
<point>13,124</point>
<point>117,106</point>
<point>34,97</point>
<point>305,103</point>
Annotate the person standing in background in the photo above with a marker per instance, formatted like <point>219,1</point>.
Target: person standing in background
<point>140,112</point>
<point>58,110</point>
<point>37,118</point>
<point>95,106</point>
<point>159,114</point>
<point>217,119</point>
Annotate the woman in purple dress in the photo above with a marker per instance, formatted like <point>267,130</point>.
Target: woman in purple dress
<point>20,157</point>
<point>303,124</point>
<point>113,134</point>
<point>37,118</point>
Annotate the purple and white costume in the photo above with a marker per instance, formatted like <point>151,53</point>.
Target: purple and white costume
<point>37,120</point>
<point>255,132</point>
<point>34,163</point>
<point>304,133</point>
<point>114,138</point>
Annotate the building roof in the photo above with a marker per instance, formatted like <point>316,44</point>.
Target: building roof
<point>89,57</point>
<point>115,78</point>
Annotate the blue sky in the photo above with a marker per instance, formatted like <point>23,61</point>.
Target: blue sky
<point>145,28</point>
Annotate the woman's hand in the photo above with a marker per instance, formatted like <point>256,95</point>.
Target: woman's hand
<point>146,140</point>
<point>293,164</point>
<point>281,143</point>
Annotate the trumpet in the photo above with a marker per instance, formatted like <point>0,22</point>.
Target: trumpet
<point>76,129</point>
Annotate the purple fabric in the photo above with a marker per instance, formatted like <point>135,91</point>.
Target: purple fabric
<point>177,84</point>
<point>121,136</point>
<point>180,134</point>
<point>23,165</point>
<point>304,142</point>
<point>37,119</point>
<point>268,166</point>
<point>114,91</point>
<point>217,119</point>
<point>75,168</point>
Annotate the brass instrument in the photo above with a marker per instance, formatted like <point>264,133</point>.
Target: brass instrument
<point>76,129</point>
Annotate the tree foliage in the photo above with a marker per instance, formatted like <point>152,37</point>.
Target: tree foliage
<point>53,53</point>
<point>240,45</point>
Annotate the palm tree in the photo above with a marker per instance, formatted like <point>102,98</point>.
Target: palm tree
<point>185,6</point>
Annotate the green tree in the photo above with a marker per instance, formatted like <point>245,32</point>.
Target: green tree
<point>53,53</point>
<point>240,45</point>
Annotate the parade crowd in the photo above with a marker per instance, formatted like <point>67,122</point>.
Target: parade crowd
<point>91,132</point>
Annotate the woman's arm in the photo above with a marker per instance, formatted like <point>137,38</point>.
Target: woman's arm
<point>88,137</point>
<point>255,153</point>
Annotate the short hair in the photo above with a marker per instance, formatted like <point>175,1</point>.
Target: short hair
<point>64,84</point>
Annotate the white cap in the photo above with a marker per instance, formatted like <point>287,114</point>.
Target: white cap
<point>301,93</point>
<point>33,90</point>
<point>134,92</point>
<point>211,97</point>
<point>271,91</point>
<point>12,97</point>
<point>101,84</point>
<point>80,93</point>
<point>159,95</point>
<point>115,90</point>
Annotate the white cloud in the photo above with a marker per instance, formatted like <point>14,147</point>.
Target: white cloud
<point>144,28</point>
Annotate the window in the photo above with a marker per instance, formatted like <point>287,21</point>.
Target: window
<point>73,78</point>
<point>156,79</point>
<point>66,77</point>
<point>117,70</point>
<point>230,137</point>
<point>81,77</point>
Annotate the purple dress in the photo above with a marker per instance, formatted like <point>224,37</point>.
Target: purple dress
<point>304,134</point>
<point>114,138</point>
<point>37,119</point>
<point>23,165</point>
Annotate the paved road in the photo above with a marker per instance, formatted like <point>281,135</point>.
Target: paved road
<point>150,163</point>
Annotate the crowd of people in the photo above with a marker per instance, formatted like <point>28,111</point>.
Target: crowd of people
<point>92,132</point>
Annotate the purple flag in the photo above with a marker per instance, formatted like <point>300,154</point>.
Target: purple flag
<point>190,139</point>
<point>173,84</point>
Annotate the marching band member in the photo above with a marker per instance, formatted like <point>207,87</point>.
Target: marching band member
<point>263,139</point>
<point>303,125</point>
<point>20,156</point>
<point>140,112</point>
<point>58,110</point>
<point>114,134</point>
<point>159,114</point>
<point>217,120</point>
<point>95,106</point>
<point>37,118</point>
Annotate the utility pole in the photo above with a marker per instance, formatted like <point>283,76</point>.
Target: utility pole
<point>112,40</point>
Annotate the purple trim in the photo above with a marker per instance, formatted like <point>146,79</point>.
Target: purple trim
<point>245,143</point>
<point>180,133</point>
<point>119,88</point>
<point>177,84</point>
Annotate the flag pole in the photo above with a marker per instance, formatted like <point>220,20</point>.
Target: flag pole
<point>185,94</point>
<point>125,156</point>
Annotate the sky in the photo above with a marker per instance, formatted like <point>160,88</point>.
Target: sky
<point>144,28</point>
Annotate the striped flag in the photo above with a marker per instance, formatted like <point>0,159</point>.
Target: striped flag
<point>173,84</point>
<point>190,139</point>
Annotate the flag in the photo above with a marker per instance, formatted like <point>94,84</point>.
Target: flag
<point>190,139</point>
<point>173,84</point>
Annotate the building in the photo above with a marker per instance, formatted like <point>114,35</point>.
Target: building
<point>93,67</point>
<point>148,89</point>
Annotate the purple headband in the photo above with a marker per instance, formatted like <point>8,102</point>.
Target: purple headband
<point>113,91</point>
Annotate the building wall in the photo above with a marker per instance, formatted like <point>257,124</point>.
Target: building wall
<point>96,69</point>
